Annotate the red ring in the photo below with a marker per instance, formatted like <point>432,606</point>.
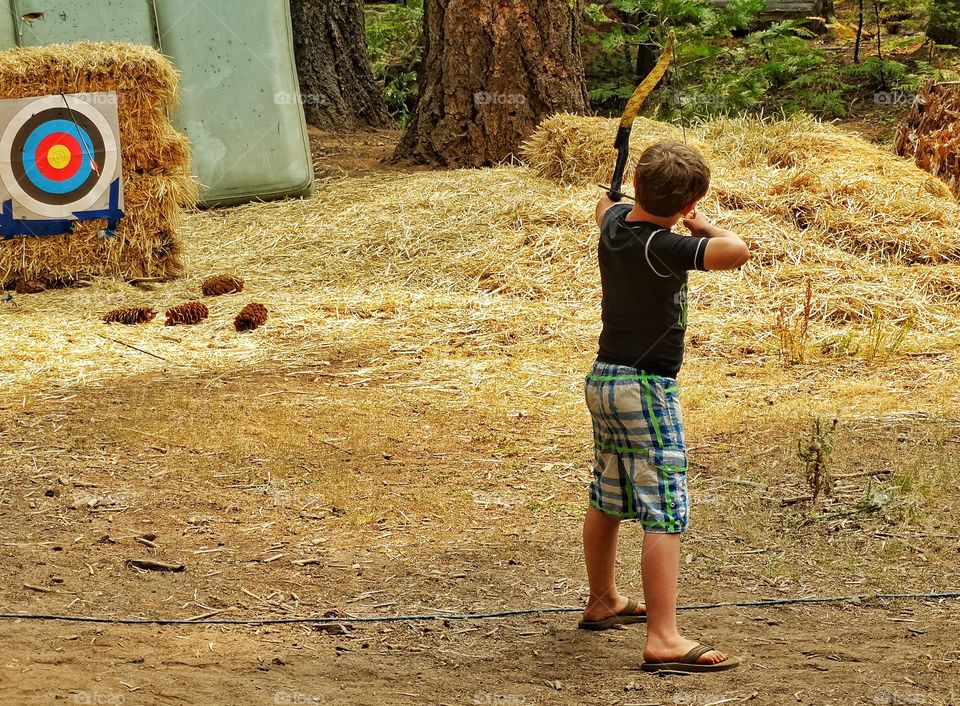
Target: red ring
<point>48,143</point>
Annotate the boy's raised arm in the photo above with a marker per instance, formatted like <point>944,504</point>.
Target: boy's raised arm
<point>725,250</point>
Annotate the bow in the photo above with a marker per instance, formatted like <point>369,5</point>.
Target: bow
<point>622,143</point>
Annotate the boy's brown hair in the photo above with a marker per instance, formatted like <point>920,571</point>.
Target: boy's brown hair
<point>670,176</point>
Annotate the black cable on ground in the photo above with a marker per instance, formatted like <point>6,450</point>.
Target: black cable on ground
<point>465,616</point>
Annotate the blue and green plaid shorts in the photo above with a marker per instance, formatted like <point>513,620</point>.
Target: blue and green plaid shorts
<point>640,467</point>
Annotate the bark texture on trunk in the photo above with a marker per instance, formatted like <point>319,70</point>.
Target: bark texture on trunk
<point>336,82</point>
<point>492,70</point>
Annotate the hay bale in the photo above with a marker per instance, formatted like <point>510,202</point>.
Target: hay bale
<point>747,142</point>
<point>152,146</point>
<point>154,156</point>
<point>838,154</point>
<point>143,78</point>
<point>574,149</point>
<point>146,243</point>
<point>930,134</point>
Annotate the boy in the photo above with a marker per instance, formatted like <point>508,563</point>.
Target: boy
<point>641,461</point>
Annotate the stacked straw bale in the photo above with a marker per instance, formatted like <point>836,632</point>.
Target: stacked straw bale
<point>578,150</point>
<point>930,134</point>
<point>157,183</point>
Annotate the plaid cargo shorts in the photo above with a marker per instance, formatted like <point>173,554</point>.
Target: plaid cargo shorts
<point>640,467</point>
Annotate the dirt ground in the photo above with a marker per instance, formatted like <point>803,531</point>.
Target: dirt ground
<point>336,489</point>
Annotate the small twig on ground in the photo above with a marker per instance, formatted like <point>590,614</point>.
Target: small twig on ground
<point>210,614</point>
<point>140,350</point>
<point>864,474</point>
<point>150,565</point>
<point>38,589</point>
<point>307,562</point>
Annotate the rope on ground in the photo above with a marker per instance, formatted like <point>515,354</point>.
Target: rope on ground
<point>466,616</point>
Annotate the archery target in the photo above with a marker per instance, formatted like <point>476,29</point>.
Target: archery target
<point>59,154</point>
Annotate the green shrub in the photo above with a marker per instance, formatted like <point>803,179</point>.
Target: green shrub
<point>395,46</point>
<point>774,69</point>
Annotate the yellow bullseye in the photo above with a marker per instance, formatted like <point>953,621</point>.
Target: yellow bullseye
<point>59,156</point>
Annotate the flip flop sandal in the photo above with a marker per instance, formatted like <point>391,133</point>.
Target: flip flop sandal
<point>688,663</point>
<point>627,616</point>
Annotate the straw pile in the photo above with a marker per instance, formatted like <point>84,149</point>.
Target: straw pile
<point>930,134</point>
<point>156,178</point>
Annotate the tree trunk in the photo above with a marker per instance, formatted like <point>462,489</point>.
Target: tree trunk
<point>944,27</point>
<point>336,82</point>
<point>492,70</point>
<point>856,46</point>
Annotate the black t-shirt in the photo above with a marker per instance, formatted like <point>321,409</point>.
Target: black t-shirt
<point>643,269</point>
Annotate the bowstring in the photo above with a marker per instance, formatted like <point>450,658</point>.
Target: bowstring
<point>683,104</point>
<point>83,142</point>
<point>677,78</point>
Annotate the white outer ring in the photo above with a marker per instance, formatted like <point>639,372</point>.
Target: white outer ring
<point>107,170</point>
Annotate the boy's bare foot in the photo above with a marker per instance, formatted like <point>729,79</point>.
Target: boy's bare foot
<point>598,609</point>
<point>674,650</point>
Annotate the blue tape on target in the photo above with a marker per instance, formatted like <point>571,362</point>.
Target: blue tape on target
<point>11,227</point>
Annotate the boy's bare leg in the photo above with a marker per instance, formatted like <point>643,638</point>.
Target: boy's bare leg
<point>661,566</point>
<point>600,533</point>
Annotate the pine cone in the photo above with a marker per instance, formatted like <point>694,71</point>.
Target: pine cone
<point>189,313</point>
<point>30,286</point>
<point>250,317</point>
<point>130,315</point>
<point>222,284</point>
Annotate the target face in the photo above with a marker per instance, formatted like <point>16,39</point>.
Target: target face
<point>59,155</point>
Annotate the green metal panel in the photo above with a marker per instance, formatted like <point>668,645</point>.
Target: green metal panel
<point>241,107</point>
<point>56,21</point>
<point>8,32</point>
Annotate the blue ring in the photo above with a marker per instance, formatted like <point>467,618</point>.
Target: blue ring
<point>30,153</point>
